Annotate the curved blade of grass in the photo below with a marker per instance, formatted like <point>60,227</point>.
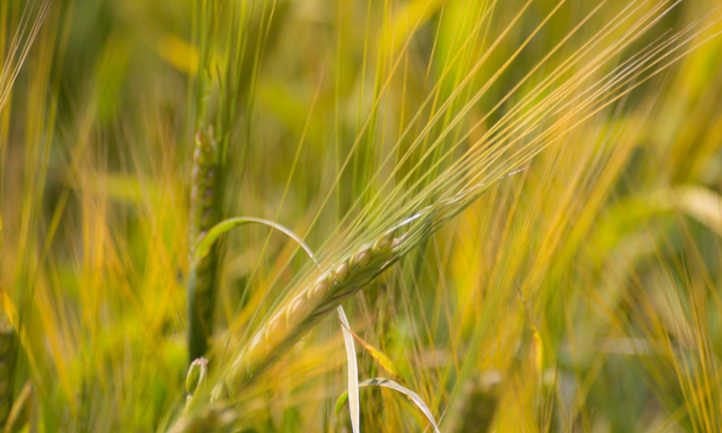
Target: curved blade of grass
<point>395,386</point>
<point>352,372</point>
<point>411,395</point>
<point>203,248</point>
<point>204,244</point>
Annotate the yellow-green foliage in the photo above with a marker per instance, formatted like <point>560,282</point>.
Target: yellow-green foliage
<point>538,180</point>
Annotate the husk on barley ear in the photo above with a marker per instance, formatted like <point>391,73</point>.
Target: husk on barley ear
<point>204,213</point>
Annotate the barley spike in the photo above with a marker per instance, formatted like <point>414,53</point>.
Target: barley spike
<point>347,276</point>
<point>204,213</point>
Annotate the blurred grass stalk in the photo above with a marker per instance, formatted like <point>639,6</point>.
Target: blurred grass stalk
<point>8,357</point>
<point>20,24</point>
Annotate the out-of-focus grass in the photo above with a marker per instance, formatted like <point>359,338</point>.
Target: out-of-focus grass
<point>580,292</point>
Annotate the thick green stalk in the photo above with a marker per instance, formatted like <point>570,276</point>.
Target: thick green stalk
<point>205,206</point>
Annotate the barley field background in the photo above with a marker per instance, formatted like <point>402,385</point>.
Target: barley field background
<point>445,216</point>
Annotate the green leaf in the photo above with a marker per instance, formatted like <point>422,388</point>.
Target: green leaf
<point>204,244</point>
<point>352,387</point>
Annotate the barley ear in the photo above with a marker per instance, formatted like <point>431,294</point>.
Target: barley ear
<point>205,204</point>
<point>307,307</point>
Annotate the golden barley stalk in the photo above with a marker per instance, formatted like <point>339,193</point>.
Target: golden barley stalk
<point>310,305</point>
<point>204,213</point>
<point>306,308</point>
